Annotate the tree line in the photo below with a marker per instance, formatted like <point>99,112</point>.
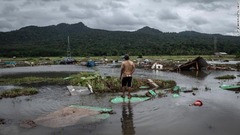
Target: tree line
<point>33,41</point>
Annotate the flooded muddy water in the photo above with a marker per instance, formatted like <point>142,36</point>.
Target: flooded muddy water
<point>169,115</point>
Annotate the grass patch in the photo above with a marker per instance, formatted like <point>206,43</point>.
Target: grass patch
<point>31,81</point>
<point>226,77</point>
<point>112,84</point>
<point>99,83</point>
<point>18,92</point>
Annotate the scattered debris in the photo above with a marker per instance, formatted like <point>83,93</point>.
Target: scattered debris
<point>152,83</point>
<point>175,95</point>
<point>2,121</point>
<point>91,63</point>
<point>90,88</point>
<point>157,66</point>
<point>187,91</point>
<point>29,63</point>
<point>176,89</point>
<point>226,77</point>
<point>230,87</point>
<point>8,64</point>
<point>68,60</point>
<point>144,87</point>
<point>194,88</point>
<point>28,124</point>
<point>151,93</point>
<point>78,90</point>
<point>67,78</point>
<point>207,88</point>
<point>197,103</point>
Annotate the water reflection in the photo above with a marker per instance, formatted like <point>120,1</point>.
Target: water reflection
<point>127,119</point>
<point>196,74</point>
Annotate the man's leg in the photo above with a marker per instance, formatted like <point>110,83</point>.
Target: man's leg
<point>123,89</point>
<point>129,86</point>
<point>128,89</point>
<point>124,85</point>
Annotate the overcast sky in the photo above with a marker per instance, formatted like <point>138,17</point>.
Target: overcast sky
<point>206,16</point>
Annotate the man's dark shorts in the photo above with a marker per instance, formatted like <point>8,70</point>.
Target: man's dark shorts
<point>127,81</point>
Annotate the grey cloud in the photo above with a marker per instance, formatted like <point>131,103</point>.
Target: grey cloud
<point>122,0</point>
<point>50,0</point>
<point>8,9</point>
<point>42,0</point>
<point>114,4</point>
<point>5,25</point>
<point>9,0</point>
<point>201,1</point>
<point>158,1</point>
<point>38,2</point>
<point>167,14</point>
<point>33,3</point>
<point>87,6</point>
<point>198,20</point>
<point>230,28</point>
<point>80,14</point>
<point>207,5</point>
<point>41,15</point>
<point>120,18</point>
<point>64,8</point>
<point>211,6</point>
<point>193,27</point>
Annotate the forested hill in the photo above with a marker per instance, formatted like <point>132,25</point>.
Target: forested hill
<point>85,41</point>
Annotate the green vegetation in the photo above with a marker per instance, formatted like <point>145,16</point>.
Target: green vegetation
<point>31,81</point>
<point>99,83</point>
<point>18,92</point>
<point>112,84</point>
<point>49,41</point>
<point>226,77</point>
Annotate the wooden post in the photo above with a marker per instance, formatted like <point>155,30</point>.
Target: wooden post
<point>197,66</point>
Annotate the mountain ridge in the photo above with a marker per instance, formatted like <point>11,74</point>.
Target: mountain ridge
<point>85,41</point>
<point>144,29</point>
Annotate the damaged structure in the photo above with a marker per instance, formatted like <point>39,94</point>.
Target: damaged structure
<point>197,64</point>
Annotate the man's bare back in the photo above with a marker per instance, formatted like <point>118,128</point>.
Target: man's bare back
<point>127,68</point>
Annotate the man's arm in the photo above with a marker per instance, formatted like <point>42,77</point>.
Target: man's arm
<point>122,68</point>
<point>133,65</point>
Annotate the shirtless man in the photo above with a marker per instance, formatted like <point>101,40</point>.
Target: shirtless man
<point>127,69</point>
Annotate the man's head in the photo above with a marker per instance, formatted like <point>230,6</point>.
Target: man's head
<point>126,57</point>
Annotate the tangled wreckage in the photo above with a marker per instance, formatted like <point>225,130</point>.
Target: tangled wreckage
<point>197,64</point>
